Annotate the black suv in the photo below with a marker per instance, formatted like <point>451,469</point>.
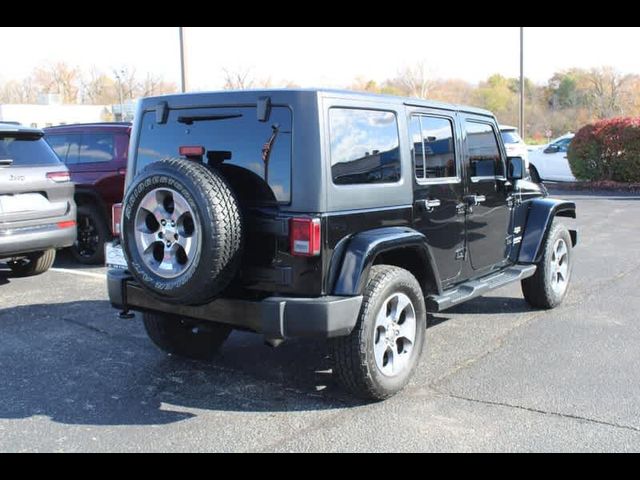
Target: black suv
<point>326,214</point>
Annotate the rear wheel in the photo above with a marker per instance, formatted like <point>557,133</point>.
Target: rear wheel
<point>184,337</point>
<point>379,357</point>
<point>93,233</point>
<point>33,264</point>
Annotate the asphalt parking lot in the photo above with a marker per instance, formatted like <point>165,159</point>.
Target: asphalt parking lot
<point>497,375</point>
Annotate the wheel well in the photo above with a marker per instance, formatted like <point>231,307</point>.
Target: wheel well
<point>412,260</point>
<point>83,198</point>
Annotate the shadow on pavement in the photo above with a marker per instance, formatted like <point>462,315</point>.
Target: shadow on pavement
<point>64,259</point>
<point>76,364</point>
<point>492,306</point>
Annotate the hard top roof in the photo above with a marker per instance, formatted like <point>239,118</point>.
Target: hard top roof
<point>15,128</point>
<point>240,95</point>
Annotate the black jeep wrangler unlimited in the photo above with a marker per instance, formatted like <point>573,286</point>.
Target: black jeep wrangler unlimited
<point>326,214</point>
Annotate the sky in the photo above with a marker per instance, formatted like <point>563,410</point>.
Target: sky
<point>320,56</point>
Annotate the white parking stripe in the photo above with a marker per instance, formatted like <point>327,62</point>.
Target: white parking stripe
<point>99,276</point>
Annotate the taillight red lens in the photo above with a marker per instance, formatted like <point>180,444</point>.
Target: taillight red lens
<point>306,237</point>
<point>116,216</point>
<point>192,152</point>
<point>59,177</point>
<point>65,225</point>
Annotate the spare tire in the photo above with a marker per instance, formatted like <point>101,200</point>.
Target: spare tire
<point>182,232</point>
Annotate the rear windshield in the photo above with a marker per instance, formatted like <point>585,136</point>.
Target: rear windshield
<point>26,150</point>
<point>232,134</point>
<point>510,137</point>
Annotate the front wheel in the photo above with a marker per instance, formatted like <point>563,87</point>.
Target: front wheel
<point>535,176</point>
<point>184,337</point>
<point>379,357</point>
<point>548,288</point>
<point>33,264</point>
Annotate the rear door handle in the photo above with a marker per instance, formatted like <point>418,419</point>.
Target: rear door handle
<point>476,200</point>
<point>431,205</point>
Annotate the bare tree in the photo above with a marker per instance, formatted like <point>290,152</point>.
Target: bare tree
<point>61,79</point>
<point>127,82</point>
<point>415,81</point>
<point>154,85</point>
<point>238,79</point>
<point>607,92</point>
<point>18,91</point>
<point>99,89</point>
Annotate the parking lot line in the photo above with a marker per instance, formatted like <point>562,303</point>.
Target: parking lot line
<point>99,276</point>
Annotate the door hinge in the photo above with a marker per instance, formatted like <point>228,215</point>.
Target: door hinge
<point>461,209</point>
<point>461,254</point>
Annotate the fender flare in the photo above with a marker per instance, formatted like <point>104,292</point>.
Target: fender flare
<point>361,252</point>
<point>542,212</point>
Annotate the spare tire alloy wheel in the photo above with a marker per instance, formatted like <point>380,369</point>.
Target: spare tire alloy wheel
<point>166,235</point>
<point>182,232</point>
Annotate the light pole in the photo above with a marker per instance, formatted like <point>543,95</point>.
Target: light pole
<point>522,85</point>
<point>183,63</point>
<point>121,94</point>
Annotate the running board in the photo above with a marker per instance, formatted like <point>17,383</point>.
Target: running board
<point>476,288</point>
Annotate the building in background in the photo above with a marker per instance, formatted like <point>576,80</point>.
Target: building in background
<point>49,112</point>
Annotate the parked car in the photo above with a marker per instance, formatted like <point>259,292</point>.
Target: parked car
<point>550,162</point>
<point>96,155</point>
<point>514,143</point>
<point>37,211</point>
<point>335,215</point>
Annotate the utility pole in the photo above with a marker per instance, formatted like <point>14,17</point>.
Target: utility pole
<point>183,63</point>
<point>522,85</point>
<point>119,78</point>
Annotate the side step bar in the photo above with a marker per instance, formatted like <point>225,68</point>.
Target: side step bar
<point>476,288</point>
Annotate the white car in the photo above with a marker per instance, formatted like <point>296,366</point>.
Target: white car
<point>514,144</point>
<point>550,162</point>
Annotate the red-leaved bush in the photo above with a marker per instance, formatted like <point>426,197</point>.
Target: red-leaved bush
<point>608,150</point>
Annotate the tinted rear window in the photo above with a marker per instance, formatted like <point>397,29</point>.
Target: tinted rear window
<point>234,134</point>
<point>26,150</point>
<point>86,148</point>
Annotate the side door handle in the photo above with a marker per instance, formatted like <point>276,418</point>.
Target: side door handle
<point>431,205</point>
<point>475,200</point>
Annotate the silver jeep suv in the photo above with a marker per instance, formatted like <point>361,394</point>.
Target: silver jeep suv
<point>37,211</point>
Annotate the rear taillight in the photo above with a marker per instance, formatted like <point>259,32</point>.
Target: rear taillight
<point>59,177</point>
<point>306,237</point>
<point>116,216</point>
<point>65,225</point>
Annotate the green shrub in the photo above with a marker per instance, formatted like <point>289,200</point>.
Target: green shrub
<point>608,150</point>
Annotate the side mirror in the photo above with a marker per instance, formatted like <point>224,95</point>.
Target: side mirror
<point>516,168</point>
<point>552,149</point>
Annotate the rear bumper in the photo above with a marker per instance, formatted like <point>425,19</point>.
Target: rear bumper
<point>276,318</point>
<point>35,239</point>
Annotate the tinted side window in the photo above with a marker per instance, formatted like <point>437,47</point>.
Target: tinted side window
<point>59,144</point>
<point>434,148</point>
<point>26,150</point>
<point>484,151</point>
<point>365,147</point>
<point>74,143</point>
<point>96,148</point>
